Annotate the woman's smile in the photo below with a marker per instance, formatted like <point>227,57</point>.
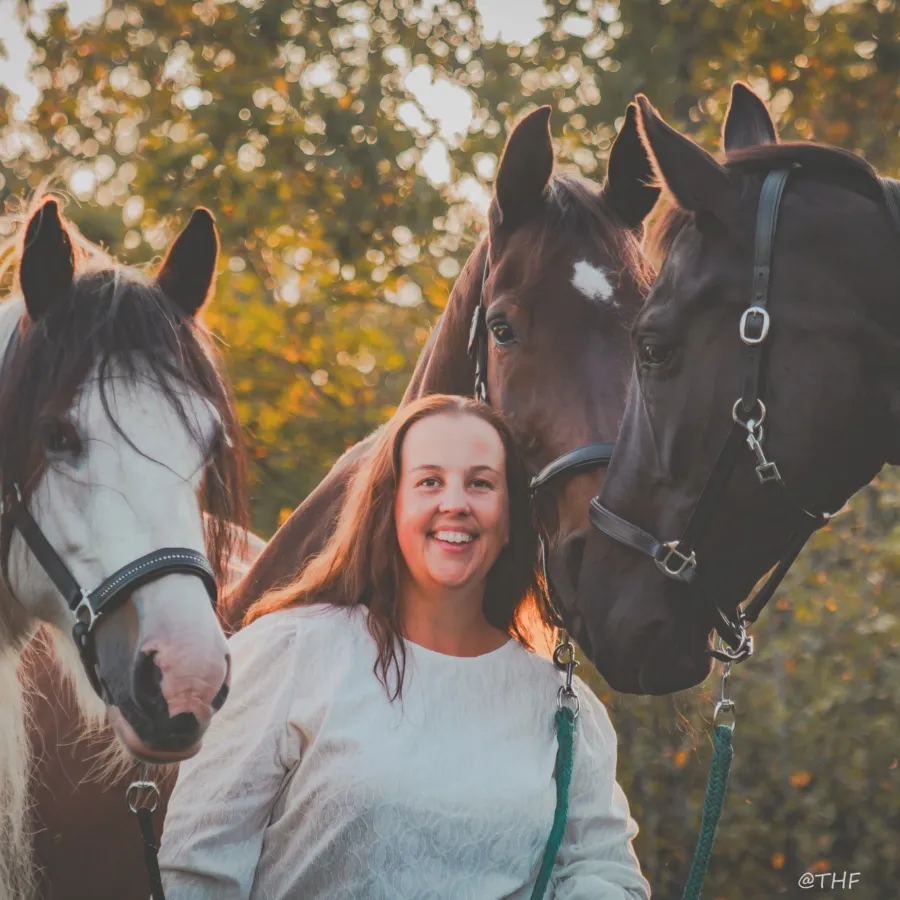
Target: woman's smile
<point>453,540</point>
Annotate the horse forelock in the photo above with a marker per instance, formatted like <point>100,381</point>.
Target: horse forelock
<point>117,322</point>
<point>576,213</point>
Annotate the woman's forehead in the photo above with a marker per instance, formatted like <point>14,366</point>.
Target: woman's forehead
<point>453,440</point>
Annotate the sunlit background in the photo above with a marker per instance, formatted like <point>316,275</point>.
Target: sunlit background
<point>506,20</point>
<point>348,155</point>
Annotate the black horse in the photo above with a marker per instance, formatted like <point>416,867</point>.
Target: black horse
<point>815,373</point>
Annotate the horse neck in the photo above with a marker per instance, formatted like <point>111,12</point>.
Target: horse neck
<point>445,366</point>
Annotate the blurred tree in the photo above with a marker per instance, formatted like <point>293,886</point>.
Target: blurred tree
<point>340,143</point>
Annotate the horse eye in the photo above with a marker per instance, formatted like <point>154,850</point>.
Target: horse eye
<point>503,333</point>
<point>654,354</point>
<point>59,436</point>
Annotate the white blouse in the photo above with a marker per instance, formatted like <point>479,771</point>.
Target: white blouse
<point>311,784</point>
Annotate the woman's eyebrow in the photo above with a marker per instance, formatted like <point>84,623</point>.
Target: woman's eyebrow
<point>433,467</point>
<point>484,468</point>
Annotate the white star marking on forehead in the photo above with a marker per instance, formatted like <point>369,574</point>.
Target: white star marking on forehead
<point>593,282</point>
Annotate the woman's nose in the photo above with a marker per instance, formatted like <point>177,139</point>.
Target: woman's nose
<point>454,499</point>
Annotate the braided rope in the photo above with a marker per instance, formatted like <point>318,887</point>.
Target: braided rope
<point>712,810</point>
<point>565,736</point>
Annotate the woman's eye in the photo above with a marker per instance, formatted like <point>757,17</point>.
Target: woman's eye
<point>428,482</point>
<point>503,333</point>
<point>653,353</point>
<point>59,436</point>
<point>482,483</point>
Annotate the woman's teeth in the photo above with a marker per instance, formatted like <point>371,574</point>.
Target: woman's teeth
<point>454,537</point>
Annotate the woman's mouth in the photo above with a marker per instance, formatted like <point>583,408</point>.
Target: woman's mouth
<point>453,540</point>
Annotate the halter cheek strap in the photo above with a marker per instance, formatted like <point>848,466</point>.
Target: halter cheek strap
<point>90,606</point>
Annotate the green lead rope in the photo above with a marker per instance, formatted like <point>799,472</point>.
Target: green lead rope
<point>565,736</point>
<point>712,810</point>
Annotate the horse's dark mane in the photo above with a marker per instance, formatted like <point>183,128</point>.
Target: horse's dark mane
<point>818,160</point>
<point>575,208</point>
<point>116,316</point>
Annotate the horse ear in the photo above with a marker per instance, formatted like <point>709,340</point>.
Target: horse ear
<point>695,179</point>
<point>747,122</point>
<point>629,188</point>
<point>525,169</point>
<point>189,269</point>
<point>47,266</point>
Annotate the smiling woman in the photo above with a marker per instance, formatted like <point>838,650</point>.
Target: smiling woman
<point>390,732</point>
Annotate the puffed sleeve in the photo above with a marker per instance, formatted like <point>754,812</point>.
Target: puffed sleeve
<point>223,800</point>
<point>596,860</point>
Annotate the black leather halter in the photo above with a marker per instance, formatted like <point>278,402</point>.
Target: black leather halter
<point>581,459</point>
<point>90,606</point>
<point>677,559</point>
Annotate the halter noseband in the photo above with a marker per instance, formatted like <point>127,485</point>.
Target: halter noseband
<point>581,459</point>
<point>90,606</point>
<point>678,559</point>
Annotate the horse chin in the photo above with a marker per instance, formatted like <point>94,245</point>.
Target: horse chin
<point>132,743</point>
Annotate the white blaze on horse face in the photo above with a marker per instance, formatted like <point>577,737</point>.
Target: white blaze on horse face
<point>594,283</point>
<point>117,502</point>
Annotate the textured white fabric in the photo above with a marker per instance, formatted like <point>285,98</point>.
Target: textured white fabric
<point>312,785</point>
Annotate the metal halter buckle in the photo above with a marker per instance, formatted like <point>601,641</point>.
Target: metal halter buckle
<point>724,653</point>
<point>725,704</point>
<point>745,318</point>
<point>685,562</point>
<point>142,793</point>
<point>84,612</point>
<point>566,693</point>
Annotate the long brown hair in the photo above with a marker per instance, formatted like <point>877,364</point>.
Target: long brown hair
<point>361,563</point>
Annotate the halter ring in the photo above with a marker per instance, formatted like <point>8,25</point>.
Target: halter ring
<point>756,421</point>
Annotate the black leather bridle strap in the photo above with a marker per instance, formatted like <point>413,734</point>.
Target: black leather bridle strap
<point>590,456</point>
<point>166,561</point>
<point>750,613</point>
<point>755,321</point>
<point>40,547</point>
<point>478,343</point>
<point>628,533</point>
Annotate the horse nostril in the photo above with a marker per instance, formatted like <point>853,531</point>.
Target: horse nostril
<point>148,687</point>
<point>183,730</point>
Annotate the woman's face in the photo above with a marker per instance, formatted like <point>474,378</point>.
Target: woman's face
<point>452,505</point>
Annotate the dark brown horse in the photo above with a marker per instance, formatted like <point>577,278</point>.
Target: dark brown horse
<point>819,350</point>
<point>565,277</point>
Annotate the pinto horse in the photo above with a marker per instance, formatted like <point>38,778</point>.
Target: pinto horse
<point>564,277</point>
<point>766,380</point>
<point>116,431</point>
